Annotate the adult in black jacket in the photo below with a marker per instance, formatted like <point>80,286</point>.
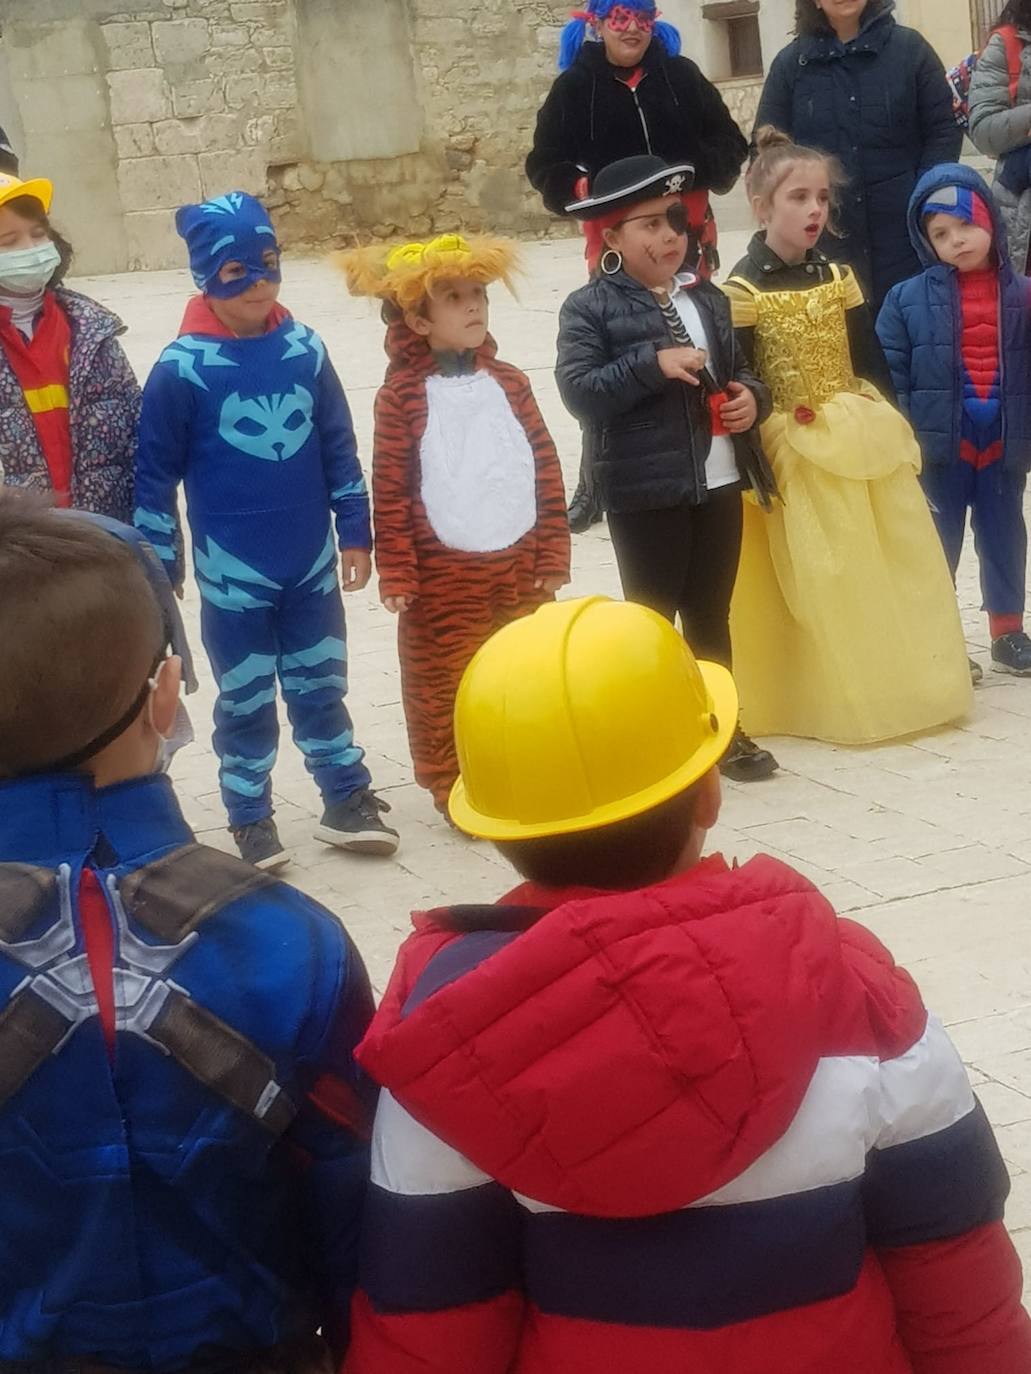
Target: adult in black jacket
<point>856,84</point>
<point>668,459</point>
<point>627,94</point>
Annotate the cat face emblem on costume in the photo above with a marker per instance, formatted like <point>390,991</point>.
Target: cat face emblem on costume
<point>273,428</point>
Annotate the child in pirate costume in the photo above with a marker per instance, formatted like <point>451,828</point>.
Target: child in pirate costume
<point>247,410</point>
<point>470,522</point>
<point>647,355</point>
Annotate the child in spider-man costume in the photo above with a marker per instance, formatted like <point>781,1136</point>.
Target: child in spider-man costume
<point>246,409</point>
<point>958,341</point>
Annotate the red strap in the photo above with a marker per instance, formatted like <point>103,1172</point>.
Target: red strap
<point>99,938</point>
<point>716,403</point>
<point>1014,46</point>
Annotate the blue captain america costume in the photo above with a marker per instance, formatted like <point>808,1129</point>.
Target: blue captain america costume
<point>195,1191</point>
<point>259,431</point>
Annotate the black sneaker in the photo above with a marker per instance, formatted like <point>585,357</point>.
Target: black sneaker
<point>1012,654</point>
<point>259,844</point>
<point>745,761</point>
<point>356,824</point>
<point>976,671</point>
<point>584,510</point>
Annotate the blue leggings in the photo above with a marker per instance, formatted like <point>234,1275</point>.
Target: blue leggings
<point>995,498</point>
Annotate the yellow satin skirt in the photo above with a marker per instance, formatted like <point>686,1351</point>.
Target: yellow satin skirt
<point>844,620</point>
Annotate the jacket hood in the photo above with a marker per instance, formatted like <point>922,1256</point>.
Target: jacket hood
<point>952,174</point>
<point>409,352</point>
<point>626,1054</point>
<point>873,34</point>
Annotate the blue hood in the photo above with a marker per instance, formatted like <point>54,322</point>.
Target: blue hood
<point>952,174</point>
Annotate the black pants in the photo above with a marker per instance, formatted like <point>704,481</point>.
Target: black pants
<point>684,560</point>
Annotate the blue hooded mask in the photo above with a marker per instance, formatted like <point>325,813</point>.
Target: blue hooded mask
<point>231,228</point>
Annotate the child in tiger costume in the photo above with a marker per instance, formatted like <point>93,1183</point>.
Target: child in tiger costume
<point>469,506</point>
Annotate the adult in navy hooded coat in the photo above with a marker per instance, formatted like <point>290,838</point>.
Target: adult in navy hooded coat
<point>856,84</point>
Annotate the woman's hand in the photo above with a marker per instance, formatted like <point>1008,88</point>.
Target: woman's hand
<point>681,364</point>
<point>741,411</point>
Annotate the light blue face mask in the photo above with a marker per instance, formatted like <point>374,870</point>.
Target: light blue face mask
<point>24,271</point>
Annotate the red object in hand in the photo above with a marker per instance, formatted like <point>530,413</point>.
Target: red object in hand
<point>581,189</point>
<point>716,403</point>
<point>804,415</point>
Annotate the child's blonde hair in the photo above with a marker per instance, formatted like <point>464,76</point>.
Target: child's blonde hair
<point>777,157</point>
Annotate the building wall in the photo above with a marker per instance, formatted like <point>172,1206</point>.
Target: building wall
<point>349,116</point>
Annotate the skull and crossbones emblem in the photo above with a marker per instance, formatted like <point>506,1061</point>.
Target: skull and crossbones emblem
<point>674,184</point>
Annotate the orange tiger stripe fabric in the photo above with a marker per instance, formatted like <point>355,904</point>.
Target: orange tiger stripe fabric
<point>460,599</point>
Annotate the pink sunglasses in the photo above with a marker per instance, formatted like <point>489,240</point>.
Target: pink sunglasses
<point>620,18</point>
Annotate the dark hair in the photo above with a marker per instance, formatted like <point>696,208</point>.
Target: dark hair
<point>618,857</point>
<point>1016,12</point>
<point>8,162</point>
<point>80,627</point>
<point>809,18</point>
<point>28,207</point>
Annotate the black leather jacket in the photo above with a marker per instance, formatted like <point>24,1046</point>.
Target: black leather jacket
<point>652,435</point>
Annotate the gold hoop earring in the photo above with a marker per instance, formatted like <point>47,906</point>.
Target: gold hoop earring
<point>611,253</point>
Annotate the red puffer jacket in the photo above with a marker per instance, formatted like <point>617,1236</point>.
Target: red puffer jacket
<point>703,1128</point>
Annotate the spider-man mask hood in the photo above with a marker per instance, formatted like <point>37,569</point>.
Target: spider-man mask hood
<point>231,228</point>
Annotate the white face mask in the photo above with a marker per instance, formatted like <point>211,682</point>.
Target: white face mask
<point>181,733</point>
<point>24,271</point>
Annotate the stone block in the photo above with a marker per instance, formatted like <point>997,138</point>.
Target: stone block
<point>179,42</point>
<point>311,178</point>
<point>154,244</point>
<point>289,143</point>
<point>243,170</point>
<point>278,59</point>
<point>229,36</point>
<point>259,131</point>
<point>244,92</point>
<point>262,12</point>
<point>193,98</point>
<point>139,97</point>
<point>128,46</point>
<point>158,183</point>
<point>272,35</point>
<point>134,140</point>
<point>209,133</point>
<point>232,61</point>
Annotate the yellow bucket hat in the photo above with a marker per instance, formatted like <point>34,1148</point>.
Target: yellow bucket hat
<point>583,714</point>
<point>407,273</point>
<point>39,189</point>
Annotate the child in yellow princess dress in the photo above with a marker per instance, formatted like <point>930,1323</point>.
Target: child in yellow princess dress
<point>844,619</point>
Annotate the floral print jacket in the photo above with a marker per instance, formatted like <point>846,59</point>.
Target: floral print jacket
<point>104,410</point>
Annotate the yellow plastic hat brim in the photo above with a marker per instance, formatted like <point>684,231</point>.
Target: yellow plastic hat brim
<point>40,189</point>
<point>723,694</point>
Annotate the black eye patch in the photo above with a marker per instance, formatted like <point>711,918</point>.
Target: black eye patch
<point>676,216</point>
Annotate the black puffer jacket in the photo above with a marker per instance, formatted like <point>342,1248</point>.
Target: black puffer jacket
<point>882,106</point>
<point>653,434</point>
<point>592,118</point>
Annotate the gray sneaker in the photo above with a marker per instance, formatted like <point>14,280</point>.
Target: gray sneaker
<point>356,824</point>
<point>259,844</point>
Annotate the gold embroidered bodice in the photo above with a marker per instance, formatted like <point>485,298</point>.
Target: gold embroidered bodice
<point>801,343</point>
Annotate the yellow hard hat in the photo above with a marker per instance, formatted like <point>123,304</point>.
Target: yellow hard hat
<point>39,189</point>
<point>583,714</point>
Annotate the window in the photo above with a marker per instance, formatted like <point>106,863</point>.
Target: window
<point>739,22</point>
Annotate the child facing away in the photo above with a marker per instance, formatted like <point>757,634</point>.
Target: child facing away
<point>247,410</point>
<point>69,401</point>
<point>958,342</point>
<point>634,347</point>
<point>470,512</point>
<point>181,1119</point>
<point>844,621</point>
<point>653,1112</point>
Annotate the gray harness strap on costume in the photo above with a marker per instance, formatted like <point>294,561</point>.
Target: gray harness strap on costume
<point>169,898</point>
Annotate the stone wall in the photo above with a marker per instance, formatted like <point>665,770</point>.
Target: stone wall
<point>413,117</point>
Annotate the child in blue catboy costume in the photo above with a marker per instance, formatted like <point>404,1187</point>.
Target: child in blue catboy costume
<point>246,409</point>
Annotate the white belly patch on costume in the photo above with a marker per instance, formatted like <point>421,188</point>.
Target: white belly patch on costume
<point>479,478</point>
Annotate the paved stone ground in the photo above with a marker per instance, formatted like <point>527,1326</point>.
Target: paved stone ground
<point>927,841</point>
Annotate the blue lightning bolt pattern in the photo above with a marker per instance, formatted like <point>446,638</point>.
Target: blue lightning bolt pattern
<point>227,582</point>
<point>223,205</point>
<point>303,340</point>
<point>188,353</point>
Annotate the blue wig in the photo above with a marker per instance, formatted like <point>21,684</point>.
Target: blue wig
<point>575,32</point>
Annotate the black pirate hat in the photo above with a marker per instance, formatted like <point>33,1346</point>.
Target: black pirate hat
<point>629,181</point>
